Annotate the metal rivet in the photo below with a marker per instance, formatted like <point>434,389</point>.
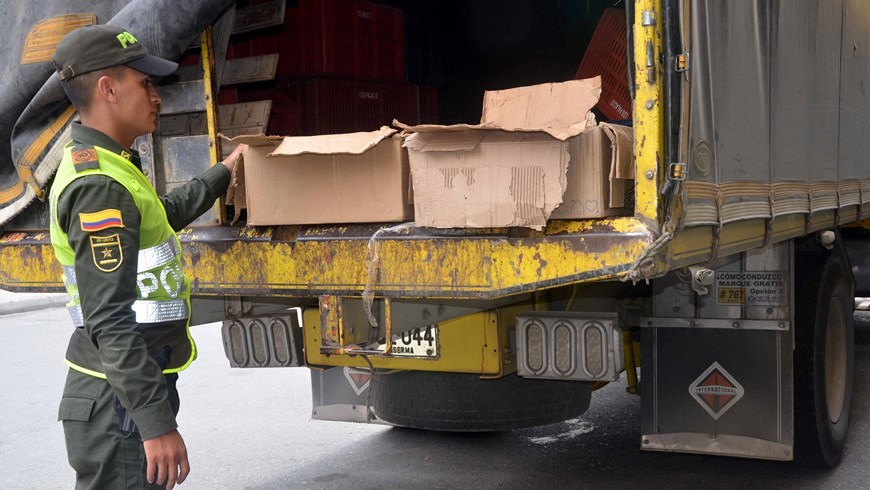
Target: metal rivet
<point>650,174</point>
<point>693,324</point>
<point>781,325</point>
<point>650,104</point>
<point>735,325</point>
<point>676,308</point>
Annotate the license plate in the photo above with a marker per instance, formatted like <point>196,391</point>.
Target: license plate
<point>418,342</point>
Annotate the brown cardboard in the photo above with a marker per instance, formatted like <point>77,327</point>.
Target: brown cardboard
<point>486,179</point>
<point>509,170</point>
<point>601,164</point>
<point>558,109</point>
<point>349,178</point>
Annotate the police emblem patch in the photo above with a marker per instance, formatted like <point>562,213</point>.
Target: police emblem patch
<point>85,158</point>
<point>107,252</point>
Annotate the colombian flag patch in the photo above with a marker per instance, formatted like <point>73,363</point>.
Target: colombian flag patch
<point>101,220</point>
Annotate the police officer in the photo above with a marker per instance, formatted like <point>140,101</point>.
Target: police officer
<point>115,238</point>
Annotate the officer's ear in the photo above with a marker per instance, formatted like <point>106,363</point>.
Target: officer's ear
<point>107,88</point>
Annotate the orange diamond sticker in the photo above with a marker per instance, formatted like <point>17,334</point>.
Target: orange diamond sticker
<point>716,390</point>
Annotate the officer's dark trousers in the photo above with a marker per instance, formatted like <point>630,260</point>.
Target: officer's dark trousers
<point>102,456</point>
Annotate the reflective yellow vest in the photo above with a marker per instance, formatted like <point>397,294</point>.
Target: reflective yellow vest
<point>163,291</point>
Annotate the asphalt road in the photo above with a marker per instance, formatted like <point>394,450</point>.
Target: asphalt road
<point>250,429</point>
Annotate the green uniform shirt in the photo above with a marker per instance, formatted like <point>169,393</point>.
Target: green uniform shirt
<point>111,336</point>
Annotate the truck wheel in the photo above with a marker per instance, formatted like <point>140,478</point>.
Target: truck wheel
<point>824,356</point>
<point>465,403</point>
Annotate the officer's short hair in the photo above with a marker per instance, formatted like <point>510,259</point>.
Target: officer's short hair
<point>80,89</point>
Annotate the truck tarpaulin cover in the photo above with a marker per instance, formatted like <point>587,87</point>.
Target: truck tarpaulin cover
<point>780,114</point>
<point>35,114</point>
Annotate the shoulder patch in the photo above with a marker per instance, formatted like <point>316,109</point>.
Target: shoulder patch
<point>101,220</point>
<point>107,252</point>
<point>85,158</point>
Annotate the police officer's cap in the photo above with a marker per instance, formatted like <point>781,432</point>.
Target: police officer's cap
<point>96,47</point>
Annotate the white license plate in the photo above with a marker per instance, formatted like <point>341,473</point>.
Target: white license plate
<point>419,342</point>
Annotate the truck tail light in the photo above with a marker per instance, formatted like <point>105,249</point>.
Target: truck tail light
<point>569,345</point>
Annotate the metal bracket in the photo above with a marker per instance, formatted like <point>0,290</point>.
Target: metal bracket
<point>682,63</point>
<point>724,323</point>
<point>677,171</point>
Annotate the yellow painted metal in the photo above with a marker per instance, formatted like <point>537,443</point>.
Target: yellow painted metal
<point>42,39</point>
<point>344,330</point>
<point>695,245</point>
<point>27,263</point>
<point>452,267</point>
<point>475,343</point>
<point>863,223</point>
<point>473,267</point>
<point>211,114</point>
<point>649,127</point>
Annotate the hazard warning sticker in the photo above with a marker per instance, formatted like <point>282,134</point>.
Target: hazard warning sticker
<point>716,390</point>
<point>359,380</point>
<point>752,288</point>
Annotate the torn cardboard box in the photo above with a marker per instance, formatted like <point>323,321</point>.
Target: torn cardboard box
<point>509,170</point>
<point>599,174</point>
<point>336,178</point>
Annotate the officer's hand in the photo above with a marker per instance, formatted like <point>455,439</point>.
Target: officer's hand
<point>167,459</point>
<point>230,161</point>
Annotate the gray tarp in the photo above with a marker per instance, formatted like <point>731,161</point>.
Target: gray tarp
<point>31,99</point>
<point>780,89</point>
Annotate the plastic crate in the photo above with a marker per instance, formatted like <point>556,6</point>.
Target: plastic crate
<point>607,56</point>
<point>334,105</point>
<point>351,38</point>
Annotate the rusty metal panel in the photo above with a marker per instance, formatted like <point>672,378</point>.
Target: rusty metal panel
<point>313,261</point>
<point>414,263</point>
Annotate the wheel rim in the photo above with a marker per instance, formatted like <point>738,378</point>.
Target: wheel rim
<point>835,360</point>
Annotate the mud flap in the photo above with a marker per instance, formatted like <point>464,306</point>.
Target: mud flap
<point>717,371</point>
<point>341,394</point>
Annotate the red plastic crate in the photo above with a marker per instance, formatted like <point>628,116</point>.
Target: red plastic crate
<point>351,38</point>
<point>333,105</point>
<point>285,118</point>
<point>607,56</point>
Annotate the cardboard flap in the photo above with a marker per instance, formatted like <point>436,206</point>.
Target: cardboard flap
<point>621,160</point>
<point>557,108</point>
<point>252,139</point>
<point>332,144</point>
<point>562,110</point>
<point>437,128</point>
<point>444,141</point>
<point>622,150</point>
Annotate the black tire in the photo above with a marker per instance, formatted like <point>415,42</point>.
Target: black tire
<point>465,403</point>
<point>824,353</point>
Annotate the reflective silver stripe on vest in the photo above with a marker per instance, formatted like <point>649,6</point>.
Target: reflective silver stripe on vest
<point>149,258</point>
<point>69,273</point>
<point>75,312</point>
<point>158,255</point>
<point>160,311</point>
<point>146,311</point>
